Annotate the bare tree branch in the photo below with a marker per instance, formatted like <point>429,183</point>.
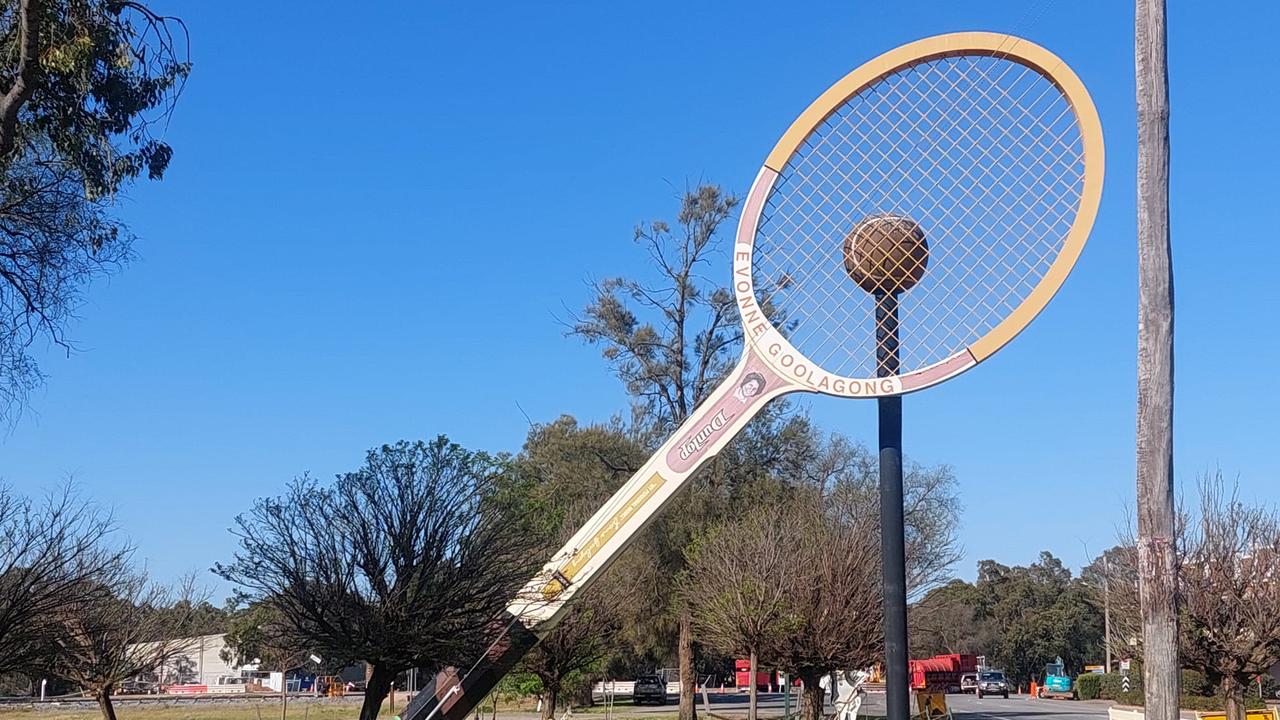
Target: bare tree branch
<point>403,563</point>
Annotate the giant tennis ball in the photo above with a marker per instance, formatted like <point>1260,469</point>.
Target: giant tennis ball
<point>886,254</point>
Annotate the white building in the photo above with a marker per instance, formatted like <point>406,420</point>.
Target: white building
<point>201,662</point>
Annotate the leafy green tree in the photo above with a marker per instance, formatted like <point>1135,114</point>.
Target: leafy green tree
<point>1021,618</point>
<point>848,475</point>
<point>671,340</point>
<point>948,620</point>
<point>82,84</point>
<point>575,469</point>
<point>258,633</point>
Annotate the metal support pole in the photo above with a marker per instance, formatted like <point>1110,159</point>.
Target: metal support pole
<point>892,533</point>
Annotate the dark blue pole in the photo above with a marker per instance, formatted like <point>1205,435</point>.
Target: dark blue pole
<point>892,532</point>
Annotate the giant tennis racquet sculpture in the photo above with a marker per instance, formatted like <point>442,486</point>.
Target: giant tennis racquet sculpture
<point>911,222</point>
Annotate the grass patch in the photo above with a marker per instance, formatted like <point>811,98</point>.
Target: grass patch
<point>335,710</point>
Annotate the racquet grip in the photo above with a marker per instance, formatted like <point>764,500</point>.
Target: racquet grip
<point>451,695</point>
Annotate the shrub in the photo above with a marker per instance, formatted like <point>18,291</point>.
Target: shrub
<point>518,686</point>
<point>1130,698</point>
<point>1269,687</point>
<point>1217,703</point>
<point>1199,703</point>
<point>1195,683</point>
<point>1202,703</point>
<point>1088,686</point>
<point>1112,685</point>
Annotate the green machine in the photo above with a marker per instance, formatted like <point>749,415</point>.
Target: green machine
<point>1057,684</point>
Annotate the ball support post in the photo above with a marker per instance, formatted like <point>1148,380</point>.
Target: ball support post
<point>892,530</point>
<point>886,255</point>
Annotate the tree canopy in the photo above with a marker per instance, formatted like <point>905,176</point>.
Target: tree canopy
<point>402,563</point>
<point>1228,589</point>
<point>1020,617</point>
<point>573,470</point>
<point>54,554</point>
<point>83,86</point>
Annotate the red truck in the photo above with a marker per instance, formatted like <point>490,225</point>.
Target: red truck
<point>742,675</point>
<point>941,673</point>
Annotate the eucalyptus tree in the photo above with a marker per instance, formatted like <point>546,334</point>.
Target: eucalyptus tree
<point>671,336</point>
<point>573,470</point>
<point>83,84</point>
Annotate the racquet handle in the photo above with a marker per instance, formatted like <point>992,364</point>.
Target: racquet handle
<point>451,694</point>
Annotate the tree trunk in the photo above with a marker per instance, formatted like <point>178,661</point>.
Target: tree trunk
<point>376,689</point>
<point>1157,556</point>
<point>109,710</point>
<point>1233,690</point>
<point>550,697</point>
<point>688,680</point>
<point>812,698</point>
<point>751,693</point>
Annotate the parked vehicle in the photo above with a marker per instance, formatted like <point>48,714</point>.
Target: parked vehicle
<point>992,682</point>
<point>649,688</point>
<point>941,673</point>
<point>137,687</point>
<point>742,675</point>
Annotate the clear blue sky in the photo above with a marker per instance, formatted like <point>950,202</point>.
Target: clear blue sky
<point>374,216</point>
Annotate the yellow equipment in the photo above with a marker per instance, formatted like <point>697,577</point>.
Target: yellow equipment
<point>932,705</point>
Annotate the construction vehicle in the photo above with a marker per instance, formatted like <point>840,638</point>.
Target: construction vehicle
<point>330,686</point>
<point>1057,684</point>
<point>742,676</point>
<point>941,673</point>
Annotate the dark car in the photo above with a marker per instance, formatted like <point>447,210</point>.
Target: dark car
<point>992,682</point>
<point>137,687</point>
<point>649,688</point>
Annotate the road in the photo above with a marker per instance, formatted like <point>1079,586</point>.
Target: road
<point>1021,707</point>
<point>964,707</point>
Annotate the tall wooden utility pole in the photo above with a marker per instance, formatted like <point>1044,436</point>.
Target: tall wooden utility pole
<point>1157,554</point>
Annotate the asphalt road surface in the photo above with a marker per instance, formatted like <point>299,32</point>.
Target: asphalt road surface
<point>1021,707</point>
<point>964,707</point>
